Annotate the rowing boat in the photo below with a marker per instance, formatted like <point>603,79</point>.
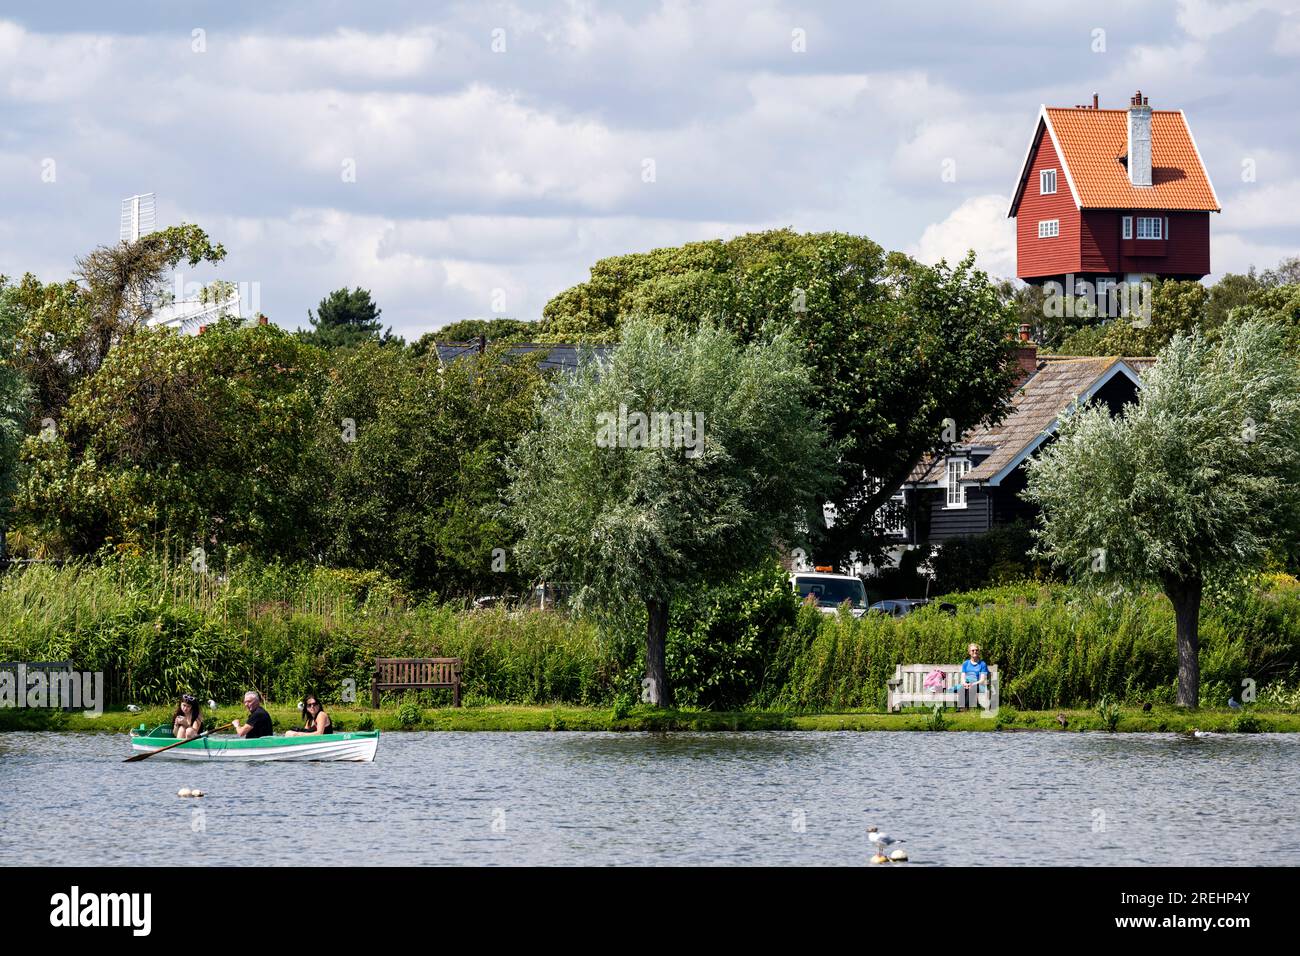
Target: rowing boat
<point>355,745</point>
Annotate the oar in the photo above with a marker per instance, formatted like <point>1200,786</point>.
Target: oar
<point>150,753</point>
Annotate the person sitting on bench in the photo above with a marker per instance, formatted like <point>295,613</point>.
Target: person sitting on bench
<point>974,677</point>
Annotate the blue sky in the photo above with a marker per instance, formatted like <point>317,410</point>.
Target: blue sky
<point>488,180</point>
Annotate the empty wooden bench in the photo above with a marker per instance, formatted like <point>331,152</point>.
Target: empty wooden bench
<point>908,687</point>
<point>415,673</point>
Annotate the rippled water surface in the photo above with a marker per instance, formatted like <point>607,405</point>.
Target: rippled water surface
<point>601,798</point>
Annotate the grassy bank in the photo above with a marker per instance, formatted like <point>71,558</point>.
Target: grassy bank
<point>1161,719</point>
<point>745,647</point>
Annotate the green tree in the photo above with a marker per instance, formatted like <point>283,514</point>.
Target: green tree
<point>469,330</point>
<point>1199,478</point>
<point>346,318</point>
<point>640,510</point>
<point>1177,307</point>
<point>416,457</point>
<point>67,329</point>
<point>902,356</point>
<point>189,440</point>
<point>15,396</point>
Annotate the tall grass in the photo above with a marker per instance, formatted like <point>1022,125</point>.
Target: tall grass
<point>157,628</point>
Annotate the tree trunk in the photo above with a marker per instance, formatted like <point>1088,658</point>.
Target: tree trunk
<point>1186,597</point>
<point>655,689</point>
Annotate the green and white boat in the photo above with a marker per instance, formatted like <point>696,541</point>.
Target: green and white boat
<point>356,745</point>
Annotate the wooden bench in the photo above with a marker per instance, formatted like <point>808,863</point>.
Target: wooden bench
<point>908,687</point>
<point>415,673</point>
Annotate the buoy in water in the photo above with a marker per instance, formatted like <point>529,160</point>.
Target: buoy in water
<point>184,792</point>
<point>899,856</point>
<point>879,858</point>
<point>196,793</point>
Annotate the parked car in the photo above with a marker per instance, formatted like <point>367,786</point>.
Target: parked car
<point>829,591</point>
<point>901,607</point>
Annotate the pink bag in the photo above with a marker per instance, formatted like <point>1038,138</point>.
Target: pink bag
<point>934,681</point>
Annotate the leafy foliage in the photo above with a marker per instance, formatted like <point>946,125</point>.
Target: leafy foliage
<point>347,318</point>
<point>1201,477</point>
<point>200,440</point>
<point>893,348</point>
<point>416,456</point>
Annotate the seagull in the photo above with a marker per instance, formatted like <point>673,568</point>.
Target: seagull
<point>212,704</point>
<point>882,842</point>
<point>1232,702</point>
<point>1201,733</point>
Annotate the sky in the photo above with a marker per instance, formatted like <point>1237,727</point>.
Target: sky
<point>471,160</point>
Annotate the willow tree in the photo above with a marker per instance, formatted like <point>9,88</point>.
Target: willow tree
<point>681,458</point>
<point>1199,478</point>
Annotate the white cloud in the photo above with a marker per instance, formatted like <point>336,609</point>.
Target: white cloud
<point>981,224</point>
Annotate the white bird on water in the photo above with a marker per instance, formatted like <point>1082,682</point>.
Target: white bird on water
<point>882,843</point>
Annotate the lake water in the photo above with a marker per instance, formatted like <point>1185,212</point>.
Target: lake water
<point>634,798</point>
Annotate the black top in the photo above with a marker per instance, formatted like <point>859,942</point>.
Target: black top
<point>309,725</point>
<point>259,723</point>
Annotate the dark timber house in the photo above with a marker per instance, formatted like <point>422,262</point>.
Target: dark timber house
<point>976,485</point>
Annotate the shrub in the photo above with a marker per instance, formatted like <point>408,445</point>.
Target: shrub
<point>409,714</point>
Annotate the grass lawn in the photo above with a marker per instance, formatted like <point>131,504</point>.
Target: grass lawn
<point>566,717</point>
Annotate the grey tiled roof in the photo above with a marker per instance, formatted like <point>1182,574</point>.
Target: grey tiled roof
<point>1035,407</point>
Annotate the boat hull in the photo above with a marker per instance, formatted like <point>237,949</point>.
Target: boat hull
<point>357,746</point>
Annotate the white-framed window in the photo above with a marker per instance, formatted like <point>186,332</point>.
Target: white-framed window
<point>1049,228</point>
<point>957,468</point>
<point>1046,181</point>
<point>1166,227</point>
<point>1149,227</point>
<point>1128,227</point>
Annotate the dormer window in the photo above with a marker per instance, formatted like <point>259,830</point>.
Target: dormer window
<point>1046,182</point>
<point>957,469</point>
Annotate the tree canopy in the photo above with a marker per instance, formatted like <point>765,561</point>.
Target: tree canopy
<point>1200,477</point>
<point>900,354</point>
<point>637,509</point>
<point>346,318</point>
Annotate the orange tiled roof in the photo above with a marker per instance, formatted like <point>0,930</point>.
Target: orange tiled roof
<point>1093,144</point>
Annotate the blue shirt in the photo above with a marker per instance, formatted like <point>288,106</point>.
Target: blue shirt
<point>972,672</point>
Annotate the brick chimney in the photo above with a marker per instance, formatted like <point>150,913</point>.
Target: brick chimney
<point>1026,356</point>
<point>1139,140</point>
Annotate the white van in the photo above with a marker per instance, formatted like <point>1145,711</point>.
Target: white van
<point>830,590</point>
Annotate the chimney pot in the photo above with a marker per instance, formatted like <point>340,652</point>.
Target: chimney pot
<point>1139,141</point>
<point>1096,103</point>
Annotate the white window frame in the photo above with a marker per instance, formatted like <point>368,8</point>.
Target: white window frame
<point>1128,227</point>
<point>1046,182</point>
<point>955,469</point>
<point>1149,227</point>
<point>1049,228</point>
<point>1166,227</point>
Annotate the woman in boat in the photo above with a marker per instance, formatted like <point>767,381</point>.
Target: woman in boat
<point>314,719</point>
<point>187,722</point>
